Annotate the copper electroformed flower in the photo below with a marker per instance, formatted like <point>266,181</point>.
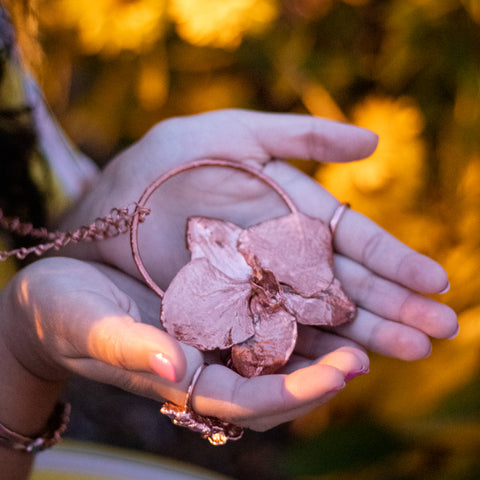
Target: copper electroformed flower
<point>244,290</point>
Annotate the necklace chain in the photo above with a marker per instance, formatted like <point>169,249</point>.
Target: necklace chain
<point>118,221</point>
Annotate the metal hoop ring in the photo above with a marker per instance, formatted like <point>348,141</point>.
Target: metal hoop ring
<point>191,387</point>
<point>337,216</point>
<point>183,168</point>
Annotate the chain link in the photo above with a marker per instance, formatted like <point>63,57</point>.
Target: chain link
<point>118,221</point>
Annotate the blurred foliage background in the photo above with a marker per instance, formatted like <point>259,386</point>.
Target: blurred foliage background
<point>407,69</point>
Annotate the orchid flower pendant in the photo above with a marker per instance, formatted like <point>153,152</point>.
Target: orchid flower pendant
<point>246,289</point>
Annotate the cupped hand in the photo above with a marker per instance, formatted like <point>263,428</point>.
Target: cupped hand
<point>63,317</point>
<point>383,276</point>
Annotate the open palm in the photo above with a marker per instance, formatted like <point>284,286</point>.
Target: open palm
<point>384,277</point>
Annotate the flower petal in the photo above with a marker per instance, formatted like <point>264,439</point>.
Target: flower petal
<point>296,248</point>
<point>270,348</point>
<point>216,240</point>
<point>205,308</point>
<point>330,307</point>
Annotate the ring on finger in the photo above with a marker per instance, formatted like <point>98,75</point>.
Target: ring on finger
<point>216,431</point>
<point>337,216</point>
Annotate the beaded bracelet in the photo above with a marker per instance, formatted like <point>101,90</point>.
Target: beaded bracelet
<point>56,426</point>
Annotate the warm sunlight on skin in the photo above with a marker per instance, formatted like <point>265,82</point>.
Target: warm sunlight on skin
<point>101,337</point>
<point>25,296</point>
<point>258,400</point>
<point>24,299</point>
<point>38,327</point>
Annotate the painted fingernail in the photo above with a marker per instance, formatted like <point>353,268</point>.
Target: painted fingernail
<point>163,366</point>
<point>351,375</point>
<point>446,289</point>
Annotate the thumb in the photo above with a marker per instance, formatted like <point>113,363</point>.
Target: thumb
<point>121,342</point>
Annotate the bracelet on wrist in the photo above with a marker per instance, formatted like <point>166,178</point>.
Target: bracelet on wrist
<point>56,426</point>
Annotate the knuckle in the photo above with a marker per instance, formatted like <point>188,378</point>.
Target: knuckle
<point>316,142</point>
<point>372,247</point>
<point>367,286</point>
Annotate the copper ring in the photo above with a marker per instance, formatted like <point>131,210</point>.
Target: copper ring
<point>216,431</point>
<point>337,216</point>
<point>191,387</point>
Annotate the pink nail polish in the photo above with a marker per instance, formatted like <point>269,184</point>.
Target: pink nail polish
<point>352,375</point>
<point>163,366</point>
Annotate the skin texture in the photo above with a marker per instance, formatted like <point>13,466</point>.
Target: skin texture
<point>63,316</point>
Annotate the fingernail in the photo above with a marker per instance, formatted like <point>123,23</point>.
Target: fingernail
<point>163,366</point>
<point>351,375</point>
<point>446,289</point>
<point>454,334</point>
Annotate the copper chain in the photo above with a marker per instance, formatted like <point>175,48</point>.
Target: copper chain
<point>116,222</point>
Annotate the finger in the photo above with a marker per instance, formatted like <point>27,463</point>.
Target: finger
<point>393,302</point>
<point>138,347</point>
<point>106,330</point>
<point>349,361</point>
<point>386,337</point>
<point>241,135</point>
<point>313,343</point>
<point>350,365</point>
<point>359,238</point>
<point>339,345</point>
<point>223,393</point>
<point>270,421</point>
<point>364,241</point>
<point>309,137</point>
<point>148,384</point>
<point>307,194</point>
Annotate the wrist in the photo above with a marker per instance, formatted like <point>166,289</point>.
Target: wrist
<point>26,401</point>
<point>26,404</point>
<point>48,437</point>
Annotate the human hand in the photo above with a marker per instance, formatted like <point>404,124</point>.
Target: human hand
<point>384,277</point>
<point>62,316</point>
